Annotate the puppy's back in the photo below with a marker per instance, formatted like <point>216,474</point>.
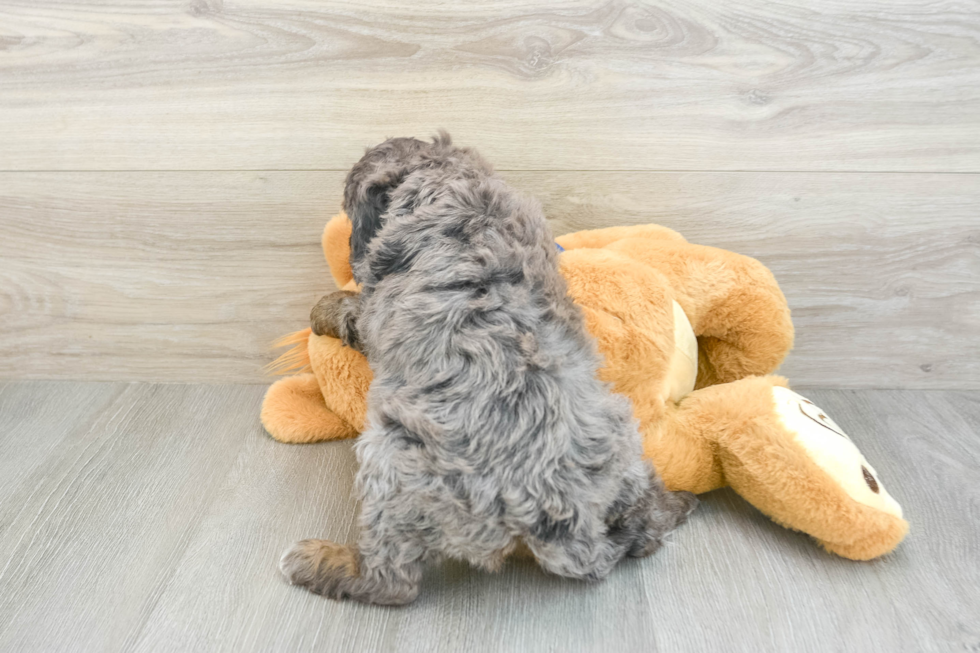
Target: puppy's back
<point>483,369</point>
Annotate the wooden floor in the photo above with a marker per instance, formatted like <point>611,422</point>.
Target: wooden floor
<point>142,517</point>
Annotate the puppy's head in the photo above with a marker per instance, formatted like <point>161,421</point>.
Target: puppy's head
<point>380,171</point>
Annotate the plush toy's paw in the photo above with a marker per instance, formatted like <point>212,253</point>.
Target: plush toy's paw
<point>294,411</point>
<point>344,377</point>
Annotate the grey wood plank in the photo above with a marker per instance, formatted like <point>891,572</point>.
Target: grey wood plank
<point>104,520</point>
<point>36,419</point>
<point>174,277</point>
<point>189,276</point>
<point>583,84</point>
<point>227,593</point>
<point>158,527</point>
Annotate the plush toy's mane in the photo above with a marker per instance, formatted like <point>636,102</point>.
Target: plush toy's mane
<point>296,359</point>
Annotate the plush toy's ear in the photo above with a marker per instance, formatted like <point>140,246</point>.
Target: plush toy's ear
<point>336,249</point>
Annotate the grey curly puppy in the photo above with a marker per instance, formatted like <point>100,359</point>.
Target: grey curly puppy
<point>487,425</point>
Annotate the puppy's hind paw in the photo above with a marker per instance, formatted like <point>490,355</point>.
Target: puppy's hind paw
<point>320,566</point>
<point>683,504</point>
<point>661,521</point>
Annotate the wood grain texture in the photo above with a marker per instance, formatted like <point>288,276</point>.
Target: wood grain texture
<point>676,85</point>
<point>90,536</point>
<point>158,524</point>
<point>188,276</point>
<point>35,422</point>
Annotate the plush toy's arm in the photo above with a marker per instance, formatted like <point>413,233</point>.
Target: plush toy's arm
<point>597,238</point>
<point>733,302</point>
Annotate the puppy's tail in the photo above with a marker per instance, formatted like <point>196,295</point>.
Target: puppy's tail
<point>295,360</point>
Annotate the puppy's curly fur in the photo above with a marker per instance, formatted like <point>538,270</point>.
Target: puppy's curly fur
<point>487,425</point>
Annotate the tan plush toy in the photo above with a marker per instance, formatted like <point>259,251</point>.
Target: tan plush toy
<point>688,333</point>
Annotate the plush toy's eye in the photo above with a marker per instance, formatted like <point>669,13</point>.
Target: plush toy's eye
<point>869,479</point>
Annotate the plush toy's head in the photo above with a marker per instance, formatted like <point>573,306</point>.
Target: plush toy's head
<point>833,451</point>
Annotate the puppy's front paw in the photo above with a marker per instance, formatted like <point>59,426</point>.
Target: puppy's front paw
<point>326,315</point>
<point>335,315</point>
<point>319,565</point>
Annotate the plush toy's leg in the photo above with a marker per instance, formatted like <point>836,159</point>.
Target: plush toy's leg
<point>344,377</point>
<point>733,302</point>
<point>790,461</point>
<point>294,411</point>
<point>676,440</point>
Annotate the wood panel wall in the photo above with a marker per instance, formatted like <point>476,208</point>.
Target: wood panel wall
<point>166,166</point>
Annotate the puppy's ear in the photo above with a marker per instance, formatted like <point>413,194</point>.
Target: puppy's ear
<point>371,182</point>
<point>365,211</point>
